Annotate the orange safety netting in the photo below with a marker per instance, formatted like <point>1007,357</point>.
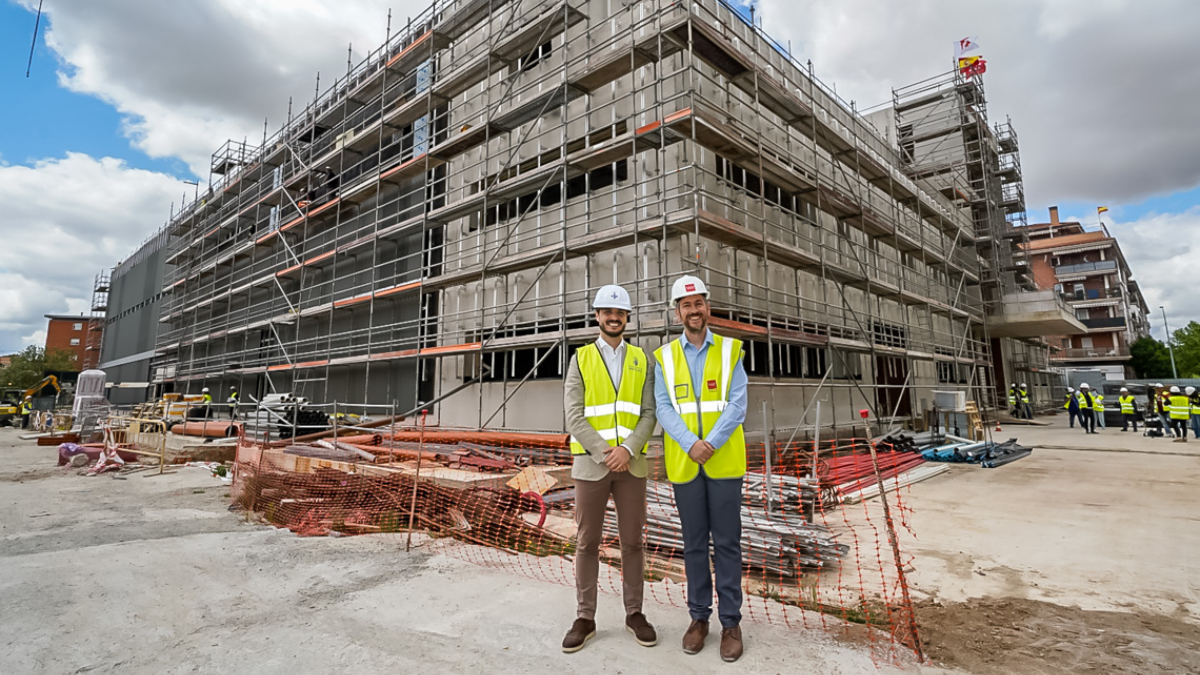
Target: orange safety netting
<point>819,552</point>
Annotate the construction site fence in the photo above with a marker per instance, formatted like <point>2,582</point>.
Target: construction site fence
<point>821,550</point>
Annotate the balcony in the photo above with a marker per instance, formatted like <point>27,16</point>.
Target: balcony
<point>1103,324</point>
<point>1101,267</point>
<point>1033,314</point>
<point>1093,354</point>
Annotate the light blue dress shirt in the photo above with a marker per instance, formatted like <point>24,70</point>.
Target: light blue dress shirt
<point>735,409</point>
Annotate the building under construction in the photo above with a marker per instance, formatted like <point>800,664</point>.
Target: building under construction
<point>431,229</point>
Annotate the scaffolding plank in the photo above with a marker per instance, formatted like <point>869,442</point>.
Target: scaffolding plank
<point>421,50</point>
<point>541,29</point>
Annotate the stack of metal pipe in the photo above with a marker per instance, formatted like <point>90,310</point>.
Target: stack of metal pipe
<point>780,543</point>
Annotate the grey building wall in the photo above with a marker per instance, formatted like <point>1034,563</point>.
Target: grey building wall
<point>131,322</point>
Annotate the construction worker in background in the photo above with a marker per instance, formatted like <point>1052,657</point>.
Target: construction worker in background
<point>609,401</point>
<point>1162,405</point>
<point>26,408</point>
<point>1128,410</point>
<point>1014,401</point>
<point>1026,408</point>
<point>1087,409</point>
<point>233,403</point>
<point>1194,402</point>
<point>1071,405</point>
<point>1181,412</point>
<point>206,401</point>
<point>1099,398</point>
<point>700,386</point>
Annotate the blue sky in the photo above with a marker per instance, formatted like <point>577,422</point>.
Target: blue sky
<point>45,120</point>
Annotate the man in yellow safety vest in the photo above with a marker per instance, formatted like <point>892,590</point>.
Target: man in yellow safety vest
<point>1128,409</point>
<point>609,402</point>
<point>26,408</point>
<point>1180,412</point>
<point>700,386</point>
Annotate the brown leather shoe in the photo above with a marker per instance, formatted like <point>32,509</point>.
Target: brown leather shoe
<point>693,639</point>
<point>581,631</point>
<point>731,644</point>
<point>643,632</point>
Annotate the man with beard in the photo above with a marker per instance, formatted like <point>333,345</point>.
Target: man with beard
<point>609,403</point>
<point>700,386</point>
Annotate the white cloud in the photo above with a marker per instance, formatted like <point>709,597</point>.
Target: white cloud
<point>189,75</point>
<point>1162,250</point>
<point>1098,91</point>
<point>65,220</point>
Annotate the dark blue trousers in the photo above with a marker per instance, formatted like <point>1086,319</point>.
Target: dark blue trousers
<point>712,508</point>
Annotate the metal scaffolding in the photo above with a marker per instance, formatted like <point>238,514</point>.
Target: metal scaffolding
<point>433,226</point>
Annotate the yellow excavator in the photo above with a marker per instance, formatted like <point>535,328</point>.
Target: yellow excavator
<point>11,397</point>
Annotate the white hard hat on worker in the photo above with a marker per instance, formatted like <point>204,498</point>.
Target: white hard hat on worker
<point>687,285</point>
<point>612,297</point>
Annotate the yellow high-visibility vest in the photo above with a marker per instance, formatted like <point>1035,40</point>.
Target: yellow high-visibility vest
<point>1180,407</point>
<point>703,410</point>
<point>1127,405</point>
<point>1098,398</point>
<point>612,413</point>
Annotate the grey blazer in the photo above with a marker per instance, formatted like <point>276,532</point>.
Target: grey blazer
<point>591,466</point>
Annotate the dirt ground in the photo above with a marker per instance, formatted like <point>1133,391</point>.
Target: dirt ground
<point>1071,560</point>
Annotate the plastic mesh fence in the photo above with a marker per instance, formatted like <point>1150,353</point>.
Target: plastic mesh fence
<point>819,552</point>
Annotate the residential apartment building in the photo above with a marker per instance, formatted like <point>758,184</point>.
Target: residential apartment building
<point>69,332</point>
<point>1086,267</point>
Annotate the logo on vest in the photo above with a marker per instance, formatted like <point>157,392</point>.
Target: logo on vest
<point>712,385</point>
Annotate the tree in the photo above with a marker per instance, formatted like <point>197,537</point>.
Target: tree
<point>30,366</point>
<point>1187,350</point>
<point>1151,360</point>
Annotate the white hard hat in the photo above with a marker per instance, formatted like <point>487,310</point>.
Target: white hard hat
<point>1189,391</point>
<point>1124,389</point>
<point>1084,386</point>
<point>612,296</point>
<point>1174,390</point>
<point>1070,389</point>
<point>687,285</point>
<point>1023,385</point>
<point>204,390</point>
<point>1159,385</point>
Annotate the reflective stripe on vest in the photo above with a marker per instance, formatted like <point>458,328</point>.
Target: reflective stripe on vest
<point>1180,407</point>
<point>1024,396</point>
<point>1126,405</point>
<point>613,414</point>
<point>729,460</point>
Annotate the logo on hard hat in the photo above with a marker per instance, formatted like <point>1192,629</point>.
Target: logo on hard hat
<point>614,295</point>
<point>691,288</point>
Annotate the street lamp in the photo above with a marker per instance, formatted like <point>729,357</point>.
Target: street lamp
<point>1170,347</point>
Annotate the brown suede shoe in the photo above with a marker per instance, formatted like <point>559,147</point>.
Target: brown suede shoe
<point>581,631</point>
<point>643,632</point>
<point>731,644</point>
<point>693,639</point>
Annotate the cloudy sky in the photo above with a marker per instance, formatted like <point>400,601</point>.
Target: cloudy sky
<point>127,100</point>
